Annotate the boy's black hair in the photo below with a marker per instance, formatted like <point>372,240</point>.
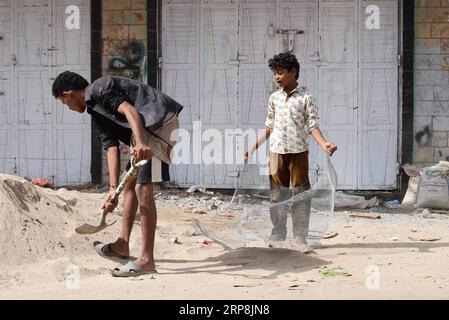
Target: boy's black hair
<point>68,81</point>
<point>284,60</point>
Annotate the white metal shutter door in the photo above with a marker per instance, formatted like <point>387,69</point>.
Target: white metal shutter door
<point>6,125</point>
<point>257,43</point>
<point>218,89</point>
<point>32,73</point>
<point>338,86</point>
<point>7,145</point>
<point>379,99</point>
<point>180,68</point>
<point>34,126</point>
<point>301,15</point>
<point>70,50</point>
<point>52,142</point>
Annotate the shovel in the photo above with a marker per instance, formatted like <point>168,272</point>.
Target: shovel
<point>90,229</point>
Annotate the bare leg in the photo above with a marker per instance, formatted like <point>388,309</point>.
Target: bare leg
<point>148,219</point>
<point>130,204</point>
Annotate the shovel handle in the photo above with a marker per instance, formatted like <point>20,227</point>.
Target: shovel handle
<point>124,181</point>
<point>131,172</point>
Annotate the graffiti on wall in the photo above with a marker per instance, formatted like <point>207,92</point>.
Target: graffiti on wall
<point>132,62</point>
<point>424,137</point>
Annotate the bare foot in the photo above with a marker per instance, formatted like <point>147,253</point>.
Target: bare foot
<point>121,247</point>
<point>146,264</point>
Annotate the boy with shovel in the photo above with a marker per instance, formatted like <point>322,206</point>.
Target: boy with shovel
<point>291,109</point>
<point>136,114</point>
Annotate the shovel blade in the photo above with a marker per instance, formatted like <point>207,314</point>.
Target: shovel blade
<point>90,229</point>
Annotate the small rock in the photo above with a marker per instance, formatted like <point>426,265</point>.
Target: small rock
<point>187,233</point>
<point>175,240</point>
<point>217,198</point>
<point>199,211</point>
<point>212,206</point>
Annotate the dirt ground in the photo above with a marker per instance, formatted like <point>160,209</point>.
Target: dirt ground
<point>400,256</point>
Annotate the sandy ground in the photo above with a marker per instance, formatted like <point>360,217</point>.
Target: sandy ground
<point>380,259</point>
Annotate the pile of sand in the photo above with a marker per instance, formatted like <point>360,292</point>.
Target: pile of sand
<point>38,224</point>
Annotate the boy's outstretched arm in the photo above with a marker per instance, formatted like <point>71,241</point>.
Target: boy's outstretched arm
<point>260,140</point>
<point>327,146</point>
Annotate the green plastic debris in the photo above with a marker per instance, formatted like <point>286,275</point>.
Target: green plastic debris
<point>337,271</point>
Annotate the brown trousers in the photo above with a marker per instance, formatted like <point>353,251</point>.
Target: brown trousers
<point>289,170</point>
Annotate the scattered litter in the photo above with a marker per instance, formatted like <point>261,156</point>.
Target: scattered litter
<point>41,182</point>
<point>208,242</point>
<point>394,238</point>
<point>441,211</point>
<point>410,196</point>
<point>425,239</point>
<point>246,285</point>
<point>330,235</point>
<point>426,213</point>
<point>394,204</point>
<point>343,200</point>
<point>227,214</point>
<point>366,215</point>
<point>199,189</point>
<point>212,206</point>
<point>294,286</point>
<point>175,240</point>
<point>338,271</point>
<point>430,239</point>
<point>199,211</point>
<point>191,233</point>
<point>136,278</point>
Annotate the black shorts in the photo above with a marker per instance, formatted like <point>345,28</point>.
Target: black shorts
<point>153,171</point>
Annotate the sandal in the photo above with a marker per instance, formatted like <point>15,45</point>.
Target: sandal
<point>131,269</point>
<point>104,250</point>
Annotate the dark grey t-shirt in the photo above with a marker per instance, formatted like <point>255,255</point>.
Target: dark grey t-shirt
<point>105,95</point>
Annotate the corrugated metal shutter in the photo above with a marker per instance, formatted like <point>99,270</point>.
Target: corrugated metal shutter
<point>42,138</point>
<point>352,71</point>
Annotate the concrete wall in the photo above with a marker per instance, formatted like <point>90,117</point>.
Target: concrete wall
<point>431,94</point>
